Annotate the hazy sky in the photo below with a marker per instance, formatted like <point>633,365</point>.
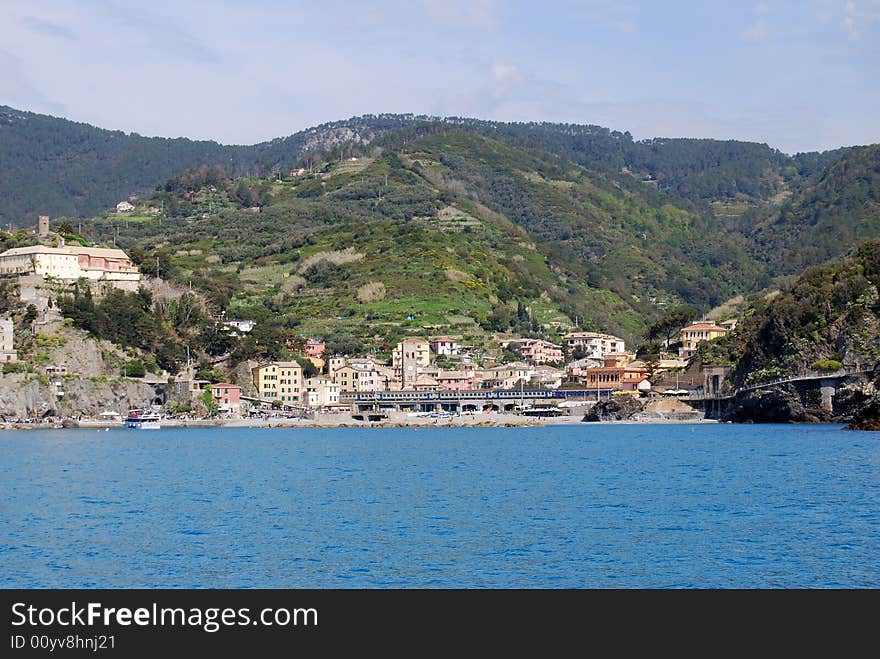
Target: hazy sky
<point>799,75</point>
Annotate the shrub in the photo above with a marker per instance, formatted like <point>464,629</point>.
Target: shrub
<point>14,367</point>
<point>134,368</point>
<point>827,365</point>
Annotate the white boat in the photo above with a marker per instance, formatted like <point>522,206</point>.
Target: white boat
<point>143,420</point>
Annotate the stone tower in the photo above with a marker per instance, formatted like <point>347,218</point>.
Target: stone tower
<point>43,227</point>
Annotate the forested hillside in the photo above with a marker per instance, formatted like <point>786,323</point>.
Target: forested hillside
<point>401,222</point>
<point>827,318</point>
<point>821,221</point>
<point>60,167</point>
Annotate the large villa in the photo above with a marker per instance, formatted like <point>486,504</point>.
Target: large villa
<point>70,263</point>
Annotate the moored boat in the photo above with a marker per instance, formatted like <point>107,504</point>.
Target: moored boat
<point>143,420</point>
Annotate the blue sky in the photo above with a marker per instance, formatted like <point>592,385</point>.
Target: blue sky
<point>797,75</point>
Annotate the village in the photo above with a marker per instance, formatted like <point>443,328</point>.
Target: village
<point>426,375</point>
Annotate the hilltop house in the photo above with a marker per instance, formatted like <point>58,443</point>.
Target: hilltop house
<point>70,263</point>
<point>124,207</point>
<point>445,346</point>
<point>239,326</point>
<point>695,333</point>
<point>595,344</point>
<point>314,351</point>
<point>538,350</point>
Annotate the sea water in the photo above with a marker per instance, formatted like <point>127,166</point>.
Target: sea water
<point>558,506</point>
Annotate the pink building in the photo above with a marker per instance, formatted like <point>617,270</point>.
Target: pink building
<point>227,396</point>
<point>539,351</point>
<point>315,348</point>
<point>455,380</point>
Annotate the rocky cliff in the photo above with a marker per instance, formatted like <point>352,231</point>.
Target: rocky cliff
<point>867,413</point>
<point>24,395</point>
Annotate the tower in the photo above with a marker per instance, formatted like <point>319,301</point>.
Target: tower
<point>43,226</point>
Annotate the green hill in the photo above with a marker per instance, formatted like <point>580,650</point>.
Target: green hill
<point>405,224</point>
<point>824,220</point>
<point>58,167</point>
<point>825,319</point>
<point>447,230</point>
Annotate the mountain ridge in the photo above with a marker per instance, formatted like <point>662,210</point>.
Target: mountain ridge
<point>60,167</point>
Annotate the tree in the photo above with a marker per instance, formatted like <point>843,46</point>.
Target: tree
<point>670,323</point>
<point>30,315</point>
<point>208,400</point>
<point>308,368</point>
<point>134,368</point>
<point>650,354</point>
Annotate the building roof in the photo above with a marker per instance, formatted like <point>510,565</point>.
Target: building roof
<point>104,252</point>
<point>591,335</point>
<point>226,385</point>
<point>454,375</point>
<point>704,326</point>
<point>444,339</point>
<point>278,364</point>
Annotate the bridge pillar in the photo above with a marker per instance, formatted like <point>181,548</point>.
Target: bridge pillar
<point>828,389</point>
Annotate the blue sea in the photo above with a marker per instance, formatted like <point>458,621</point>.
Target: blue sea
<point>667,506</point>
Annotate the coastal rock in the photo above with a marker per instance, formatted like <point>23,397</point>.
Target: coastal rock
<point>866,400</point>
<point>24,395</point>
<point>867,418</point>
<point>616,408</point>
<point>852,398</point>
<point>778,404</point>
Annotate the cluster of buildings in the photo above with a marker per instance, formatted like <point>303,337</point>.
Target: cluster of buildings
<point>595,360</point>
<point>603,364</point>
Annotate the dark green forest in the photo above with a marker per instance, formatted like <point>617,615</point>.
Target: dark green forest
<point>59,167</point>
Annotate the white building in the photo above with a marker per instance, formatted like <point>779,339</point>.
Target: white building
<point>445,346</point>
<point>239,326</point>
<point>124,207</point>
<point>7,351</point>
<point>322,392</point>
<point>595,344</point>
<point>70,263</point>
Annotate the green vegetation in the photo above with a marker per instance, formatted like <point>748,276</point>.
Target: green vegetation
<point>422,226</point>
<point>134,368</point>
<point>827,365</point>
<point>209,402</point>
<point>825,320</point>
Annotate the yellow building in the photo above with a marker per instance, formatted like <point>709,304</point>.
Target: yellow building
<point>407,358</point>
<point>696,333</point>
<point>281,381</point>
